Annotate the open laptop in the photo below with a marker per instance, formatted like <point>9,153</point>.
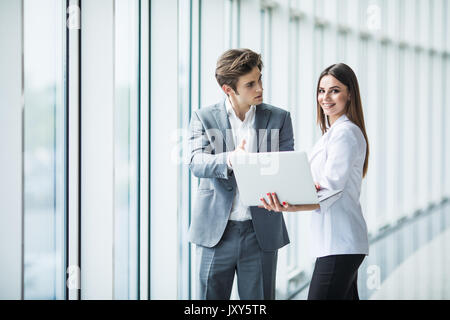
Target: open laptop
<point>288,174</point>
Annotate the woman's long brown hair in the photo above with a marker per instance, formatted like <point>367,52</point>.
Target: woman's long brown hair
<point>354,110</point>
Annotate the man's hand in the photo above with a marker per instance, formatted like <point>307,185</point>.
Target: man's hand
<point>239,149</point>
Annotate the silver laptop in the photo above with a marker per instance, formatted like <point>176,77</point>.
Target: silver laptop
<point>288,174</point>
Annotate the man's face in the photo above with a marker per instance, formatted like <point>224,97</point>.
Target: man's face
<point>249,89</point>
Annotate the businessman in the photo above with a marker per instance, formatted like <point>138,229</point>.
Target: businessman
<point>230,237</point>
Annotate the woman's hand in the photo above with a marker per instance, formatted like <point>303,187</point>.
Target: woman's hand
<point>275,205</point>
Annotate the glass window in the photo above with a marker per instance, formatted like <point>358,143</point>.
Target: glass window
<point>164,115</point>
<point>126,127</point>
<point>44,149</point>
<point>11,145</point>
<point>184,176</point>
<point>213,44</point>
<point>249,15</point>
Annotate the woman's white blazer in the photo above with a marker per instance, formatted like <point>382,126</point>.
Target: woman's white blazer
<point>337,161</point>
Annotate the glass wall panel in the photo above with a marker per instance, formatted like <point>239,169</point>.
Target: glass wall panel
<point>390,122</point>
<point>330,10</point>
<point>293,103</point>
<point>423,130</point>
<point>126,127</point>
<point>184,176</point>
<point>164,125</point>
<point>362,74</point>
<point>409,133</point>
<point>249,34</point>
<point>436,132</point>
<point>266,51</point>
<point>213,44</point>
<point>353,15</point>
<point>11,146</point>
<point>44,149</point>
<point>391,14</point>
<point>372,105</point>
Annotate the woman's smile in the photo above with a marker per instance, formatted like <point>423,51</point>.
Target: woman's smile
<point>328,105</point>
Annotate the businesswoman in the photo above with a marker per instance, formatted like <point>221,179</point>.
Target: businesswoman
<point>339,161</point>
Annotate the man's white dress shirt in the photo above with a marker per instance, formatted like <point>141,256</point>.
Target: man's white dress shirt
<point>242,130</point>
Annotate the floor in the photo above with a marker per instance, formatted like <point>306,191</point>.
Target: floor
<point>411,261</point>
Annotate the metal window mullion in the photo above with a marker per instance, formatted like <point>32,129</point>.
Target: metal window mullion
<point>73,161</point>
<point>144,153</point>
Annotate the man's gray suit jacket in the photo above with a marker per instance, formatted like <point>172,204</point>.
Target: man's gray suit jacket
<point>210,143</point>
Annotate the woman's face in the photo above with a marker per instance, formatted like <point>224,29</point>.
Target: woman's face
<point>333,97</point>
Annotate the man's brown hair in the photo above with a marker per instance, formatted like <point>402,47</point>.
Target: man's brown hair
<point>235,63</point>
